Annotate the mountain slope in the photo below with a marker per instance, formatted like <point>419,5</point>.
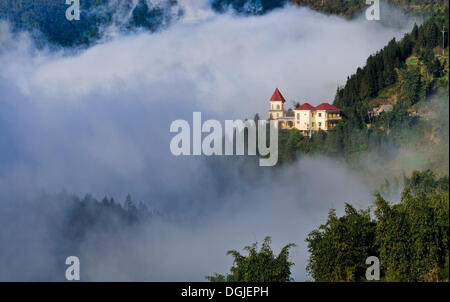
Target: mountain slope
<point>412,76</point>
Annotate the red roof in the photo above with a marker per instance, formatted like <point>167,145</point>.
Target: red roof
<point>277,97</point>
<point>326,106</point>
<point>305,106</point>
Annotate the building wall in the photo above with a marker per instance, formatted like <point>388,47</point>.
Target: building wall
<point>320,120</point>
<point>276,105</point>
<point>304,122</point>
<point>276,114</point>
<point>276,109</point>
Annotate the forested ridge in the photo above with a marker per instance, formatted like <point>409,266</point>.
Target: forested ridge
<point>412,76</point>
<point>81,216</point>
<point>46,19</point>
<point>351,8</point>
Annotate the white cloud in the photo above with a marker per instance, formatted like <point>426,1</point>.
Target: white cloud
<point>232,63</point>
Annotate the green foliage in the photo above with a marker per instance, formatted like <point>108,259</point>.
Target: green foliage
<point>426,181</point>
<point>410,238</point>
<point>413,235</point>
<point>258,266</point>
<point>411,88</point>
<point>380,70</point>
<point>289,142</point>
<point>340,247</point>
<point>47,18</point>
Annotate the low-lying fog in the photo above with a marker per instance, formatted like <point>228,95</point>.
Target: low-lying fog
<point>97,121</point>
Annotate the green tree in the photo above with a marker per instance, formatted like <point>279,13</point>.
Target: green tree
<point>258,266</point>
<point>340,247</point>
<point>410,87</point>
<point>413,235</point>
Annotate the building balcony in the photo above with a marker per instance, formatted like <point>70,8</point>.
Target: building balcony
<point>331,125</point>
<point>334,117</point>
<point>286,124</point>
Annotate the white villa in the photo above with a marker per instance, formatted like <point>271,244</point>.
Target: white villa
<point>306,117</point>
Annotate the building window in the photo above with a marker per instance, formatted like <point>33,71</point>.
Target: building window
<point>320,123</point>
<point>298,115</point>
<point>320,114</point>
<point>278,107</point>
